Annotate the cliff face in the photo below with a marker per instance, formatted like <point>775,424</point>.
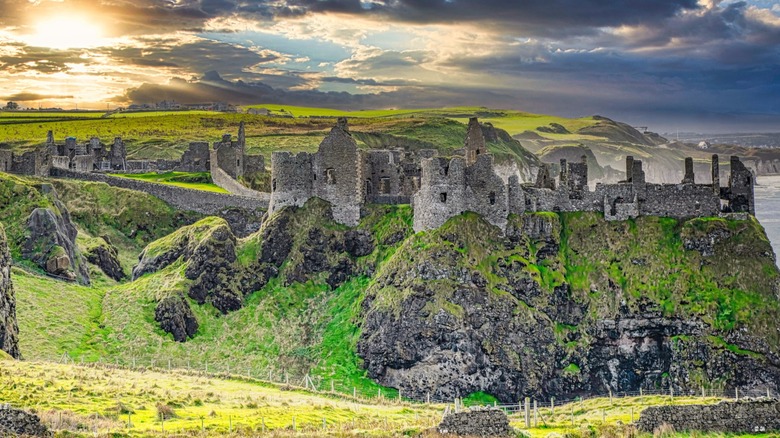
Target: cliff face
<point>9,331</point>
<point>571,304</point>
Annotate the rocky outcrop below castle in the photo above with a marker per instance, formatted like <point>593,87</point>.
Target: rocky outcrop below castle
<point>568,304</point>
<point>9,330</point>
<point>748,416</point>
<point>50,242</point>
<point>101,253</point>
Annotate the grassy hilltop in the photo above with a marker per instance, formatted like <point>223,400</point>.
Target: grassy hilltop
<point>152,135</point>
<point>356,309</point>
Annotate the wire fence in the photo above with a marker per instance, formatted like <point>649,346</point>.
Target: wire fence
<point>336,387</point>
<point>527,413</point>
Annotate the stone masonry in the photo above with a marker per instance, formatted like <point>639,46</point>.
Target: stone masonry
<point>476,422</point>
<point>749,416</point>
<point>441,188</point>
<point>438,188</point>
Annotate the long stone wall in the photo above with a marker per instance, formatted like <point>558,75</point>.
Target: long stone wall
<point>222,179</point>
<point>731,417</point>
<point>184,199</point>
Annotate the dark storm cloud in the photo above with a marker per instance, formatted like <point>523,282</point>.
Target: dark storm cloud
<point>195,56</point>
<point>212,88</point>
<point>538,17</point>
<point>30,97</point>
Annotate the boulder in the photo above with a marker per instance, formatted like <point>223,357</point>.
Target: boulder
<point>16,422</point>
<point>105,256</point>
<point>175,317</point>
<point>50,242</point>
<point>479,422</point>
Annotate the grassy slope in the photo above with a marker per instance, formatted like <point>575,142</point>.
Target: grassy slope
<point>282,329</point>
<point>188,180</point>
<point>93,400</point>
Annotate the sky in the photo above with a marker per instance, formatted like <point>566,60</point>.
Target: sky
<point>688,65</point>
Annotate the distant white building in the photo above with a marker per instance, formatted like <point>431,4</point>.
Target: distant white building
<point>704,144</point>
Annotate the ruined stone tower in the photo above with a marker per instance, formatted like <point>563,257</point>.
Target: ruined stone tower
<point>338,173</point>
<point>475,142</point>
<point>241,136</point>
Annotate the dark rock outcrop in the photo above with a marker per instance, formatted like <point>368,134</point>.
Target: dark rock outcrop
<point>50,242</point>
<point>9,330</point>
<point>16,422</point>
<point>358,243</point>
<point>552,309</point>
<point>479,422</point>
<point>105,256</point>
<point>211,265</point>
<point>748,416</point>
<point>175,316</point>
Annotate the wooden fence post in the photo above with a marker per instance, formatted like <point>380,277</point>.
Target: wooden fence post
<point>552,405</point>
<point>536,415</point>
<point>527,413</point>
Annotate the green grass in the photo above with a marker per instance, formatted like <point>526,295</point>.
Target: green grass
<point>100,400</point>
<point>84,401</point>
<point>160,134</point>
<point>58,317</point>
<point>187,180</point>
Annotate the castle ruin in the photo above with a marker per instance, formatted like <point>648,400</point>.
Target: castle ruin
<point>440,188</point>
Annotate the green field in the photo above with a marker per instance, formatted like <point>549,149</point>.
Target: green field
<point>82,401</point>
<point>158,134</point>
<point>187,180</point>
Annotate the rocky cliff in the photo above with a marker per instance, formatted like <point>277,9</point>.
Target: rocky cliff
<point>571,304</point>
<point>559,305</point>
<point>9,331</point>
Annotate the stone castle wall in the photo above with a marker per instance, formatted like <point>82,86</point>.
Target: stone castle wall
<point>337,175</point>
<point>223,180</point>
<point>291,179</point>
<point>485,192</point>
<point>727,417</point>
<point>199,201</point>
<point>442,192</point>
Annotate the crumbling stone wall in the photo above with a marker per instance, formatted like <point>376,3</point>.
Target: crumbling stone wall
<point>474,146</point>
<point>196,159</point>
<point>6,160</point>
<point>291,180</point>
<point>479,422</point>
<point>253,164</point>
<point>485,192</point>
<point>385,178</point>
<point>209,203</point>
<point>230,157</point>
<point>441,194</point>
<point>222,179</point>
<point>748,416</point>
<point>338,168</point>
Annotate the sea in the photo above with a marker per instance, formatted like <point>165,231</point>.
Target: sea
<point>767,192</point>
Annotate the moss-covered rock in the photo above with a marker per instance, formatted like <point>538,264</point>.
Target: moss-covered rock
<point>100,252</point>
<point>175,316</point>
<point>9,329</point>
<point>564,304</point>
<point>50,242</point>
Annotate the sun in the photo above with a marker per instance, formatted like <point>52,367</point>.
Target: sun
<point>66,32</point>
